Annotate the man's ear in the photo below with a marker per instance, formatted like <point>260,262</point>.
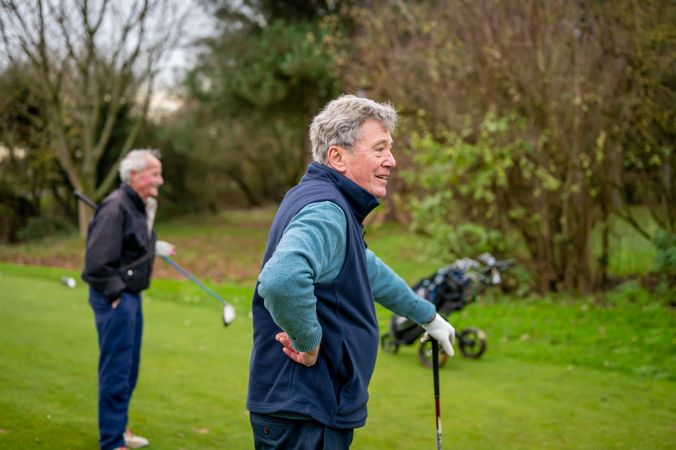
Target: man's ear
<point>335,158</point>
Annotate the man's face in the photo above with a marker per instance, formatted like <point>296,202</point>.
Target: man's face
<point>371,160</point>
<point>146,182</point>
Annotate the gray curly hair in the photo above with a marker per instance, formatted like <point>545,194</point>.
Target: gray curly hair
<point>338,123</point>
<point>136,161</point>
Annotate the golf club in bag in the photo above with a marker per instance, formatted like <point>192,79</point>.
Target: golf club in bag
<point>228,309</point>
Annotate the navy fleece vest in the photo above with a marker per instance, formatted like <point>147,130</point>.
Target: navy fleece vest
<point>334,390</point>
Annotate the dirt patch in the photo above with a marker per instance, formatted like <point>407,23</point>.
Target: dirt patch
<point>73,262</point>
<point>202,264</point>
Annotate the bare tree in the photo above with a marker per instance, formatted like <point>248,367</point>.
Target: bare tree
<point>90,61</point>
<point>525,108</point>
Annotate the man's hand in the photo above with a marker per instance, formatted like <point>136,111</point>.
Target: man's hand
<point>442,331</point>
<point>305,358</point>
<point>164,248</point>
<point>115,303</point>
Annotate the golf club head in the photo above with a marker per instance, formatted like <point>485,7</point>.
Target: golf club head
<point>228,314</point>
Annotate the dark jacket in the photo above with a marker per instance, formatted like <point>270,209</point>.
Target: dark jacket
<point>120,251</point>
<point>334,390</point>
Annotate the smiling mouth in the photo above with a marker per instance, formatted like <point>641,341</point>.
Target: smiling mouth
<point>383,177</point>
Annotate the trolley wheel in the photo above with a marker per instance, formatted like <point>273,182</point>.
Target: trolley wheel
<point>425,355</point>
<point>472,342</point>
<point>389,344</point>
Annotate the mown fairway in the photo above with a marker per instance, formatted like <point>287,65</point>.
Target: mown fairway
<point>556,375</point>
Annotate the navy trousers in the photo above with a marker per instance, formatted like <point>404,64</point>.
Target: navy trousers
<point>274,433</point>
<point>120,330</point>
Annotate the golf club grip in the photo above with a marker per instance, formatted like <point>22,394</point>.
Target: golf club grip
<point>86,200</point>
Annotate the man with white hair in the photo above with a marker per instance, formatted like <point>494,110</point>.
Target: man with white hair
<point>121,246</point>
<point>315,334</point>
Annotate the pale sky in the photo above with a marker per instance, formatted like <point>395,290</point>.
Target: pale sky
<point>200,24</point>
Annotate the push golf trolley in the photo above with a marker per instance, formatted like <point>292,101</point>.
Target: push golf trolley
<point>451,288</point>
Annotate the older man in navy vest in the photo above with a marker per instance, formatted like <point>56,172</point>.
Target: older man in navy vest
<point>315,328</point>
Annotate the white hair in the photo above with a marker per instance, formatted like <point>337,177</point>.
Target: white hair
<point>136,161</point>
<point>339,123</point>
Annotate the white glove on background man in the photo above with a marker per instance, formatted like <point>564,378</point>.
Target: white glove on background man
<point>163,248</point>
<point>441,331</point>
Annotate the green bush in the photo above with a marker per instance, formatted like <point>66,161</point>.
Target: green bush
<point>630,292</point>
<point>665,257</point>
<point>43,227</point>
<point>636,293</point>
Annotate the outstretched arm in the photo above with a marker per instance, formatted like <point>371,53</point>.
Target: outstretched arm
<point>391,291</point>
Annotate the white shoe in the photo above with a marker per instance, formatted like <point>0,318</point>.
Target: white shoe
<point>133,441</point>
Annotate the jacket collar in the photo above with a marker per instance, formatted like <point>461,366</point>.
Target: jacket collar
<point>361,200</point>
<point>134,197</point>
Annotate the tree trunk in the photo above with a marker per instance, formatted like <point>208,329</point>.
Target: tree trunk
<point>84,215</point>
<point>605,255</point>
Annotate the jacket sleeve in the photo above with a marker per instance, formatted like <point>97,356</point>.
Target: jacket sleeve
<point>104,251</point>
<point>312,250</point>
<point>391,291</point>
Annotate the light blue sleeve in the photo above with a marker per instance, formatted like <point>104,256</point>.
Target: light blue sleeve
<point>391,291</point>
<point>311,250</point>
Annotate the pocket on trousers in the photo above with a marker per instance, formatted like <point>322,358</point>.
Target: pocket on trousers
<point>269,432</point>
<point>98,301</point>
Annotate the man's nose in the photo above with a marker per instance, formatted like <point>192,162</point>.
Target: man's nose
<point>389,160</point>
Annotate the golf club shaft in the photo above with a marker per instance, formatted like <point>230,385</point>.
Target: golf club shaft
<point>435,371</point>
<point>192,278</point>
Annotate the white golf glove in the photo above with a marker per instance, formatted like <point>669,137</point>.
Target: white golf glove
<point>163,248</point>
<point>441,331</point>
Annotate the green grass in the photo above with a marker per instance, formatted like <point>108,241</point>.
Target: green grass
<point>194,372</point>
<point>637,339</point>
<point>543,383</point>
<point>560,372</point>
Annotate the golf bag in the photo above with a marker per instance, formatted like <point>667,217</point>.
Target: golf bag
<point>451,288</point>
